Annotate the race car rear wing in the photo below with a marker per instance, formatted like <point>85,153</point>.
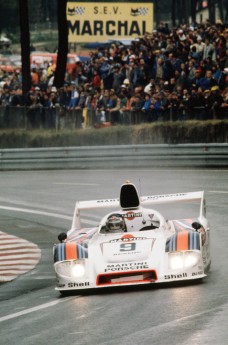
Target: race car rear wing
<point>143,201</point>
<point>174,198</point>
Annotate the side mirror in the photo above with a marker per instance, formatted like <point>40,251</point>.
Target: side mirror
<point>196,226</point>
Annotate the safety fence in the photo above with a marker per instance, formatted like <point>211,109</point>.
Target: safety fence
<point>58,118</point>
<point>116,157</point>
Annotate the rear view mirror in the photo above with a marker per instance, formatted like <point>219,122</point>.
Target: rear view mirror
<point>196,226</point>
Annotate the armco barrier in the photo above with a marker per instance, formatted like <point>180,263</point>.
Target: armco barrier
<point>119,157</point>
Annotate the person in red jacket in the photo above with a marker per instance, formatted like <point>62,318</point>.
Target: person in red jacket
<point>96,81</point>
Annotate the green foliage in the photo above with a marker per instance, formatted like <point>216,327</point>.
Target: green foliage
<point>215,131</point>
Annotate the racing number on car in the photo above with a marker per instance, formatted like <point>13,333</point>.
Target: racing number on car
<point>127,247</point>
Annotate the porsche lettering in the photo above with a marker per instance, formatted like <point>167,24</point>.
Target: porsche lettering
<point>126,268</point>
<point>155,197</point>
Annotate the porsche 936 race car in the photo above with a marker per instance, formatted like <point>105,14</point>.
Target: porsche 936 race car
<point>133,245</point>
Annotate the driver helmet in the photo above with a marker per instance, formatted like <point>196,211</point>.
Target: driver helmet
<point>115,223</point>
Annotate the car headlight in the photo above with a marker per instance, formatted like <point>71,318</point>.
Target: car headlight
<point>190,259</point>
<point>180,260</point>
<point>176,260</point>
<point>71,268</point>
<point>78,270</point>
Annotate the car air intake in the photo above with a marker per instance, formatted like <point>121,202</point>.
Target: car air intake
<point>127,278</point>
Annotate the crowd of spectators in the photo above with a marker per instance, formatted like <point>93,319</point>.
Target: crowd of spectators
<point>169,74</point>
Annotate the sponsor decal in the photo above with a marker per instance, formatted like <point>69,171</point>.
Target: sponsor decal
<point>197,273</point>
<point>176,276</point>
<point>131,215</point>
<point>140,11</point>
<point>100,21</point>
<point>108,28</point>
<point>156,197</point>
<point>60,285</point>
<point>106,201</point>
<point>128,245</point>
<point>128,266</point>
<point>128,239</point>
<point>72,285</point>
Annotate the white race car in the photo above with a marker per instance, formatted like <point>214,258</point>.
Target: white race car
<point>133,245</point>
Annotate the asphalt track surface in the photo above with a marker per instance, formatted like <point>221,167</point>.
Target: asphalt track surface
<point>36,206</point>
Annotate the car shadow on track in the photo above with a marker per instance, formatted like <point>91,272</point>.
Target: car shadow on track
<point>124,289</point>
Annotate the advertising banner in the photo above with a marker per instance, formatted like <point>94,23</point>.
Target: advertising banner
<point>102,21</point>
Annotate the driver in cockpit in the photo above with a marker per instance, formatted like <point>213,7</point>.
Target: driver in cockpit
<point>115,224</point>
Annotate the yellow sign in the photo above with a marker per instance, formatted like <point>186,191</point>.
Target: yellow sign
<point>101,21</point>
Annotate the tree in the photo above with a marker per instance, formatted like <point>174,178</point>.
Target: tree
<point>25,45</point>
<point>211,10</point>
<point>62,44</point>
<point>173,13</point>
<point>193,10</point>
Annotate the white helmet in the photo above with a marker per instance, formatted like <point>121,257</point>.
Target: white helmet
<point>115,223</point>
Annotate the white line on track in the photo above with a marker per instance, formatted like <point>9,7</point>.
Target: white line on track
<point>76,184</point>
<point>33,309</point>
<point>43,213</point>
<point>218,191</point>
<point>26,210</point>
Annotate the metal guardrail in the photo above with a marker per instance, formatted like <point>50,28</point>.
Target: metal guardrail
<point>115,157</point>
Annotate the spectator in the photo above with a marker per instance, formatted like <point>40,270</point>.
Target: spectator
<point>114,107</point>
<point>224,105</point>
<point>208,49</point>
<point>118,78</point>
<point>164,106</point>
<point>177,69</point>
<point>74,98</point>
<point>146,109</point>
<point>208,81</point>
<point>34,105</point>
<point>216,101</point>
<point>149,88</point>
<point>136,106</point>
<point>155,107</point>
<point>124,105</point>
<point>35,77</point>
<point>96,81</point>
<point>174,106</point>
<point>105,72</point>
<point>135,74</point>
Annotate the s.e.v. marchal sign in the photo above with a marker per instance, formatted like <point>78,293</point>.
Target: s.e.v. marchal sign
<point>100,21</point>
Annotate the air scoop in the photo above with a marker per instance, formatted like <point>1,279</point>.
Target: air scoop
<point>129,198</point>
